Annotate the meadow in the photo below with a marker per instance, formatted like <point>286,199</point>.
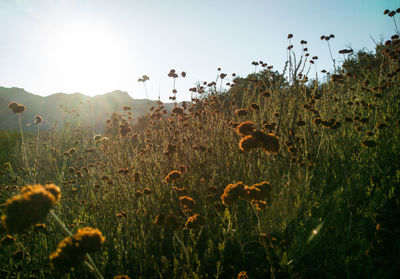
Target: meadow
<point>273,175</point>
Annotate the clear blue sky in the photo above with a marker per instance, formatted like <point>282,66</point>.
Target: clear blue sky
<point>96,46</point>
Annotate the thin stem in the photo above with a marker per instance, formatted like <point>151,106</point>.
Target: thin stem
<point>395,26</point>
<point>330,52</point>
<point>147,96</point>
<point>24,159</point>
<point>263,242</point>
<point>184,248</point>
<point>61,223</point>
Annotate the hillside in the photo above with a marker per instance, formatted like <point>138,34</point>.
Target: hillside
<point>92,111</point>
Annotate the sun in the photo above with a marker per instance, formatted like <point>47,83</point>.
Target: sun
<point>85,56</point>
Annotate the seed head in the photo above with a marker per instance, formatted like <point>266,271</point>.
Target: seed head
<point>187,202</point>
<point>245,128</point>
<point>233,192</point>
<point>172,176</point>
<point>89,239</point>
<point>194,222</point>
<point>28,208</point>
<point>68,255</point>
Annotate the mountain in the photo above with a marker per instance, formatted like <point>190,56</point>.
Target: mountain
<point>92,111</point>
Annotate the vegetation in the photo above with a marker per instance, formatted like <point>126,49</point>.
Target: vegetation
<point>281,176</point>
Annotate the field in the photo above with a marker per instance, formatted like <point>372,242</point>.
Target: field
<point>278,176</point>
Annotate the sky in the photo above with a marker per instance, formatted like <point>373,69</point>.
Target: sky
<point>97,46</point>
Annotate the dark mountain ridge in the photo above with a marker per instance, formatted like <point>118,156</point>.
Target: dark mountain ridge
<point>92,111</point>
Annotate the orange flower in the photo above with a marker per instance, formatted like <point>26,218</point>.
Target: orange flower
<point>245,128</point>
<point>172,176</point>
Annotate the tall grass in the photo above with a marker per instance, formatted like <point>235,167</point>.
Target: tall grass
<point>333,211</point>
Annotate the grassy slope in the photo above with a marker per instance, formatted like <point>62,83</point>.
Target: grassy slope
<point>333,211</point>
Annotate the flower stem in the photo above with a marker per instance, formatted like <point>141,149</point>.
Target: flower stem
<point>184,248</point>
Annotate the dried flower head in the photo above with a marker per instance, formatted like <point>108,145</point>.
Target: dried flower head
<point>159,220</point>
<point>16,108</point>
<point>245,128</point>
<point>265,189</point>
<point>241,112</point>
<point>68,255</point>
<point>38,119</point>
<point>28,208</point>
<point>194,222</point>
<point>249,142</point>
<point>89,239</point>
<point>242,275</point>
<point>172,176</point>
<point>269,142</point>
<point>187,202</point>
<point>7,240</point>
<point>233,192</point>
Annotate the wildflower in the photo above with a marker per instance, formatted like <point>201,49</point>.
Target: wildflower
<point>245,128</point>
<point>187,202</point>
<point>38,119</point>
<point>40,228</point>
<point>7,240</point>
<point>369,133</point>
<point>369,143</point>
<point>254,106</point>
<point>233,124</point>
<point>89,239</point>
<point>243,274</point>
<point>266,94</point>
<point>147,191</point>
<point>249,142</point>
<point>123,171</point>
<point>182,168</point>
<point>159,219</point>
<point>381,126</point>
<point>68,255</point>
<point>31,206</point>
<point>194,222</point>
<point>124,129</point>
<point>264,187</point>
<point>178,110</point>
<point>16,108</point>
<point>260,205</point>
<point>252,193</point>
<point>232,193</point>
<point>122,277</point>
<point>300,122</point>
<point>172,176</point>
<point>54,190</point>
<point>269,142</point>
<point>269,126</point>
<point>241,112</point>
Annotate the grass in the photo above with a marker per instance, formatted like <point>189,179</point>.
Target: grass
<point>333,211</point>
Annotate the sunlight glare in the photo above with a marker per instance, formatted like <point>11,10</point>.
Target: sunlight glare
<point>85,56</point>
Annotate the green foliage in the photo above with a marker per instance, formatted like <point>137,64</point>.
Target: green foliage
<point>8,142</point>
<point>333,211</point>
